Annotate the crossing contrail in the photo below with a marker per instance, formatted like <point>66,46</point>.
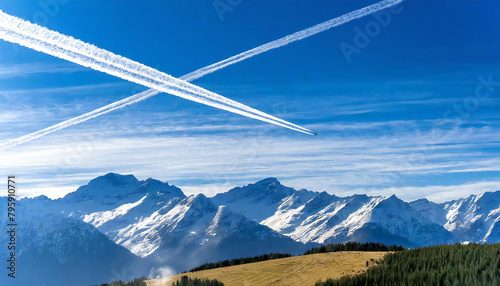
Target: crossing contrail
<point>212,68</point>
<point>21,32</point>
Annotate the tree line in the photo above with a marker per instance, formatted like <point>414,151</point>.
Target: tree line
<point>354,246</point>
<point>472,264</point>
<point>348,246</point>
<point>188,281</point>
<point>239,261</point>
<point>136,282</point>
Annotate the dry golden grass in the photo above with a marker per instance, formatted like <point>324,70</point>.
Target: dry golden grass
<point>301,270</point>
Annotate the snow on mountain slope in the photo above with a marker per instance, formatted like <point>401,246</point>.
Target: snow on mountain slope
<point>400,219</point>
<point>200,232</point>
<point>103,191</point>
<point>155,220</point>
<point>433,211</point>
<point>112,190</point>
<point>315,219</point>
<point>261,200</point>
<point>362,218</point>
<point>123,208</point>
<point>291,214</point>
<point>53,249</point>
<point>475,218</point>
<point>319,217</point>
<point>100,218</point>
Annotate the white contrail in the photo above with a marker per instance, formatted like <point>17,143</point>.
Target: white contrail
<point>18,31</point>
<point>212,68</point>
<point>295,37</point>
<point>33,36</point>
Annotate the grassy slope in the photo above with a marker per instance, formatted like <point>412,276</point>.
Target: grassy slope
<point>301,270</point>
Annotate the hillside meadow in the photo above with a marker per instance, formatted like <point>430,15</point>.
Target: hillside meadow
<point>300,270</point>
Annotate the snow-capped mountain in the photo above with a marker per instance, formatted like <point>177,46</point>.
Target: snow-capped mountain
<point>200,231</point>
<point>125,209</point>
<point>474,219</point>
<point>157,221</point>
<point>53,249</point>
<point>260,200</point>
<point>124,222</point>
<point>309,216</point>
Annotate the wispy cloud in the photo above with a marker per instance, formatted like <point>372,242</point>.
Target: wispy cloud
<point>400,162</point>
<point>74,89</point>
<point>439,193</point>
<point>27,69</point>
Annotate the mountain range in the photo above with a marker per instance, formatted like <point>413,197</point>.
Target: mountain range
<point>118,227</point>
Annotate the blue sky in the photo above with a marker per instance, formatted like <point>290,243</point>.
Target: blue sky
<point>407,113</point>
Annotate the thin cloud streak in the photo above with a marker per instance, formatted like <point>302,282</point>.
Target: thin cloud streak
<point>56,90</point>
<point>22,70</point>
<point>339,165</point>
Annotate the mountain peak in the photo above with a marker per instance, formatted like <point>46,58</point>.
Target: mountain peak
<point>486,201</point>
<point>393,197</point>
<point>422,200</point>
<point>112,180</point>
<point>268,181</point>
<point>267,189</point>
<point>198,199</point>
<point>41,198</point>
<point>199,202</point>
<point>111,186</point>
<point>158,187</point>
<point>391,202</point>
<point>489,195</point>
<point>116,179</point>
